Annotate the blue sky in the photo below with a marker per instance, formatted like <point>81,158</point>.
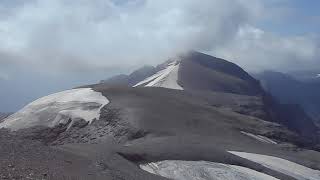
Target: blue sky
<point>298,17</point>
<point>52,45</point>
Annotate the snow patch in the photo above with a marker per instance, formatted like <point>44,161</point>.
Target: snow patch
<point>166,78</point>
<point>260,138</point>
<point>202,170</point>
<point>51,110</point>
<point>281,165</point>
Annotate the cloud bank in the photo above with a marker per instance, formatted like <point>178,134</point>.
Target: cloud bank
<point>84,36</point>
<point>258,50</point>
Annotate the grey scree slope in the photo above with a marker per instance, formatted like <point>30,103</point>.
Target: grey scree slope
<point>142,125</point>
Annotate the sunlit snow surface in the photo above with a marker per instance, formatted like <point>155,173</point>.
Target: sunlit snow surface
<point>260,138</point>
<point>281,165</point>
<point>51,110</point>
<point>166,78</point>
<point>202,170</point>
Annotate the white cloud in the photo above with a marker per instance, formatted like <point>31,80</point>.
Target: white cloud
<point>93,34</point>
<point>98,35</point>
<point>258,50</point>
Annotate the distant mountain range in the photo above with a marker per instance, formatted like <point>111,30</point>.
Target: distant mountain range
<point>192,117</point>
<point>305,75</point>
<point>288,89</point>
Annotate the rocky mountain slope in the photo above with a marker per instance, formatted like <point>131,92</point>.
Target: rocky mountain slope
<point>4,115</point>
<point>206,73</point>
<point>131,79</point>
<point>193,71</point>
<point>217,78</point>
<point>193,117</point>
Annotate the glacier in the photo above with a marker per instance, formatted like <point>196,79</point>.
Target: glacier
<point>51,110</point>
<point>260,138</point>
<point>281,165</point>
<point>166,78</point>
<point>202,170</point>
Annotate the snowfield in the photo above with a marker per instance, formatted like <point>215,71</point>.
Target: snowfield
<point>83,103</point>
<point>166,78</point>
<point>202,170</point>
<point>281,165</point>
<point>260,138</point>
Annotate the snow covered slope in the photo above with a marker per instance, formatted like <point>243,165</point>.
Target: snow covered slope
<point>281,165</point>
<point>83,103</point>
<point>202,170</point>
<point>166,78</point>
<point>260,138</point>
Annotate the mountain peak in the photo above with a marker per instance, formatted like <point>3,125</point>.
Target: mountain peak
<point>196,71</point>
<point>200,71</point>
